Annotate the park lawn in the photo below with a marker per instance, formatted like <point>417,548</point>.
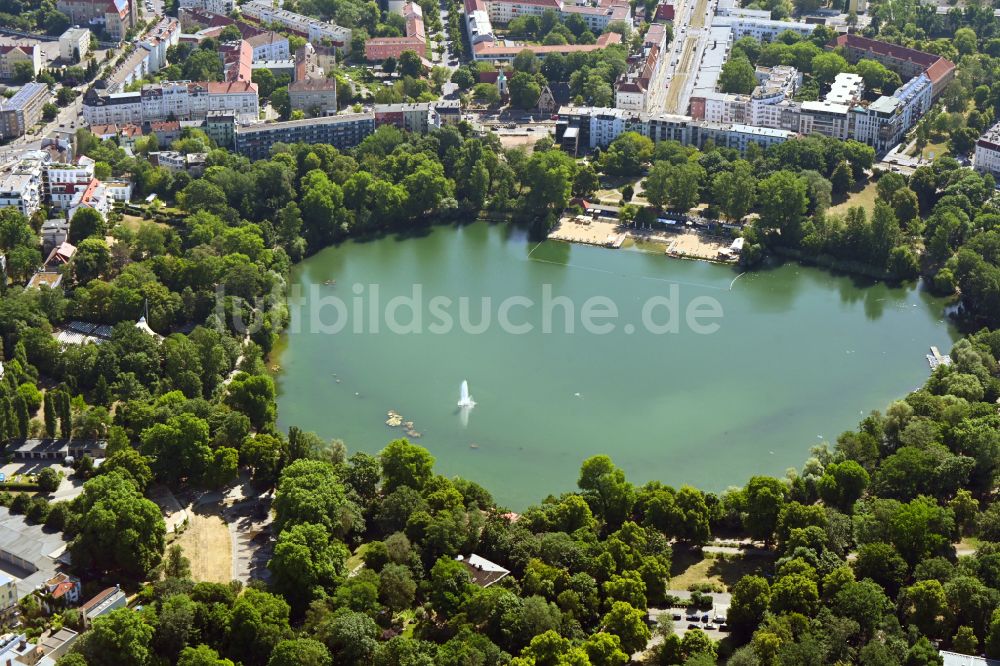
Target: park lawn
<point>356,559</point>
<point>932,151</point>
<point>206,543</point>
<point>864,198</point>
<point>690,567</point>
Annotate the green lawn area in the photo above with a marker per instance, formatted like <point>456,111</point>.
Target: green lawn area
<point>355,560</point>
<point>864,198</point>
<point>690,567</point>
<point>932,151</point>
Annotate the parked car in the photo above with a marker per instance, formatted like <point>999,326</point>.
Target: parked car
<point>705,618</point>
<point>676,617</point>
<point>694,626</point>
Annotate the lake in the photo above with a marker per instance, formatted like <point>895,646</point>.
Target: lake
<point>704,377</point>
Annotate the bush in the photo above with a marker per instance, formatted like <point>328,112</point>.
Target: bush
<point>48,480</point>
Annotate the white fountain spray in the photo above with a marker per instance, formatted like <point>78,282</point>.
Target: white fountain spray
<point>465,400</point>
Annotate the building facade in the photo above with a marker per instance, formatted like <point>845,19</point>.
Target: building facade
<point>114,17</point>
<point>312,29</point>
<point>341,131</point>
<point>987,154</point>
<point>317,97</point>
<point>175,100</point>
<point>12,54</point>
<point>19,113</point>
<point>74,44</point>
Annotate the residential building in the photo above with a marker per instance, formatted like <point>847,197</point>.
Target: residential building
<point>214,6</point>
<point>312,29</point>
<point>380,48</point>
<point>57,450</point>
<point>113,17</point>
<point>12,54</point>
<point>173,161</point>
<point>307,64</point>
<point>420,117</point>
<point>63,182</point>
<point>916,96</point>
<point>16,650</point>
<point>118,191</point>
<point>8,597</point>
<point>237,60</point>
<point>54,232</point>
<point>987,154</point>
<point>880,124</point>
<point>220,127</point>
<point>502,50</point>
<point>276,67</point>
<point>664,13</point>
<point>847,88</point>
<point>481,14</point>
<point>180,100</point>
<point>149,55</point>
<point>74,44</point>
<point>959,659</point>
<point>61,591</point>
<point>589,127</point>
<point>598,15</point>
<point>269,45</point>
<point>761,29</point>
<point>326,57</point>
<point>20,191</point>
<point>95,197</point>
<point>906,62</point>
<point>106,601</point>
<point>317,97</point>
<point>482,572</point>
<point>21,185</point>
<point>826,118</point>
<point>166,131</point>
<point>164,34</point>
<point>632,88</point>
<point>341,131</point>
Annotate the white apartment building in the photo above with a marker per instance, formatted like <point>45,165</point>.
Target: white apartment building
<point>269,45</point>
<point>826,118</point>
<point>987,155</point>
<point>159,38</point>
<point>64,181</point>
<point>316,30</point>
<point>21,185</point>
<point>763,30</point>
<point>916,96</point>
<point>846,89</point>
<point>179,100</point>
<point>880,124</point>
<point>213,6</point>
<point>74,44</point>
<point>95,196</point>
<point>112,109</point>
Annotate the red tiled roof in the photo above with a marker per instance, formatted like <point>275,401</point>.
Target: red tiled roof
<point>221,87</point>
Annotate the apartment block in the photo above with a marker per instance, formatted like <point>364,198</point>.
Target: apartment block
<point>19,113</point>
<point>114,17</point>
<point>177,100</point>
<point>380,48</point>
<point>341,131</point>
<point>12,54</point>
<point>74,44</point>
<point>312,29</point>
<point>987,155</point>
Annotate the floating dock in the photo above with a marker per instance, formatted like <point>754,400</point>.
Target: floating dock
<point>936,358</point>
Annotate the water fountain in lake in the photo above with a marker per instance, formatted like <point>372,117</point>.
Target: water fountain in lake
<point>465,400</point>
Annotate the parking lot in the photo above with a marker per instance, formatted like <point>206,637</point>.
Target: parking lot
<point>710,620</point>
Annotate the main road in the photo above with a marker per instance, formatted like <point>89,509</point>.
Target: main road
<point>692,23</point>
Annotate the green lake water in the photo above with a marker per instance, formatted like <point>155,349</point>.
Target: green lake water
<point>799,356</point>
